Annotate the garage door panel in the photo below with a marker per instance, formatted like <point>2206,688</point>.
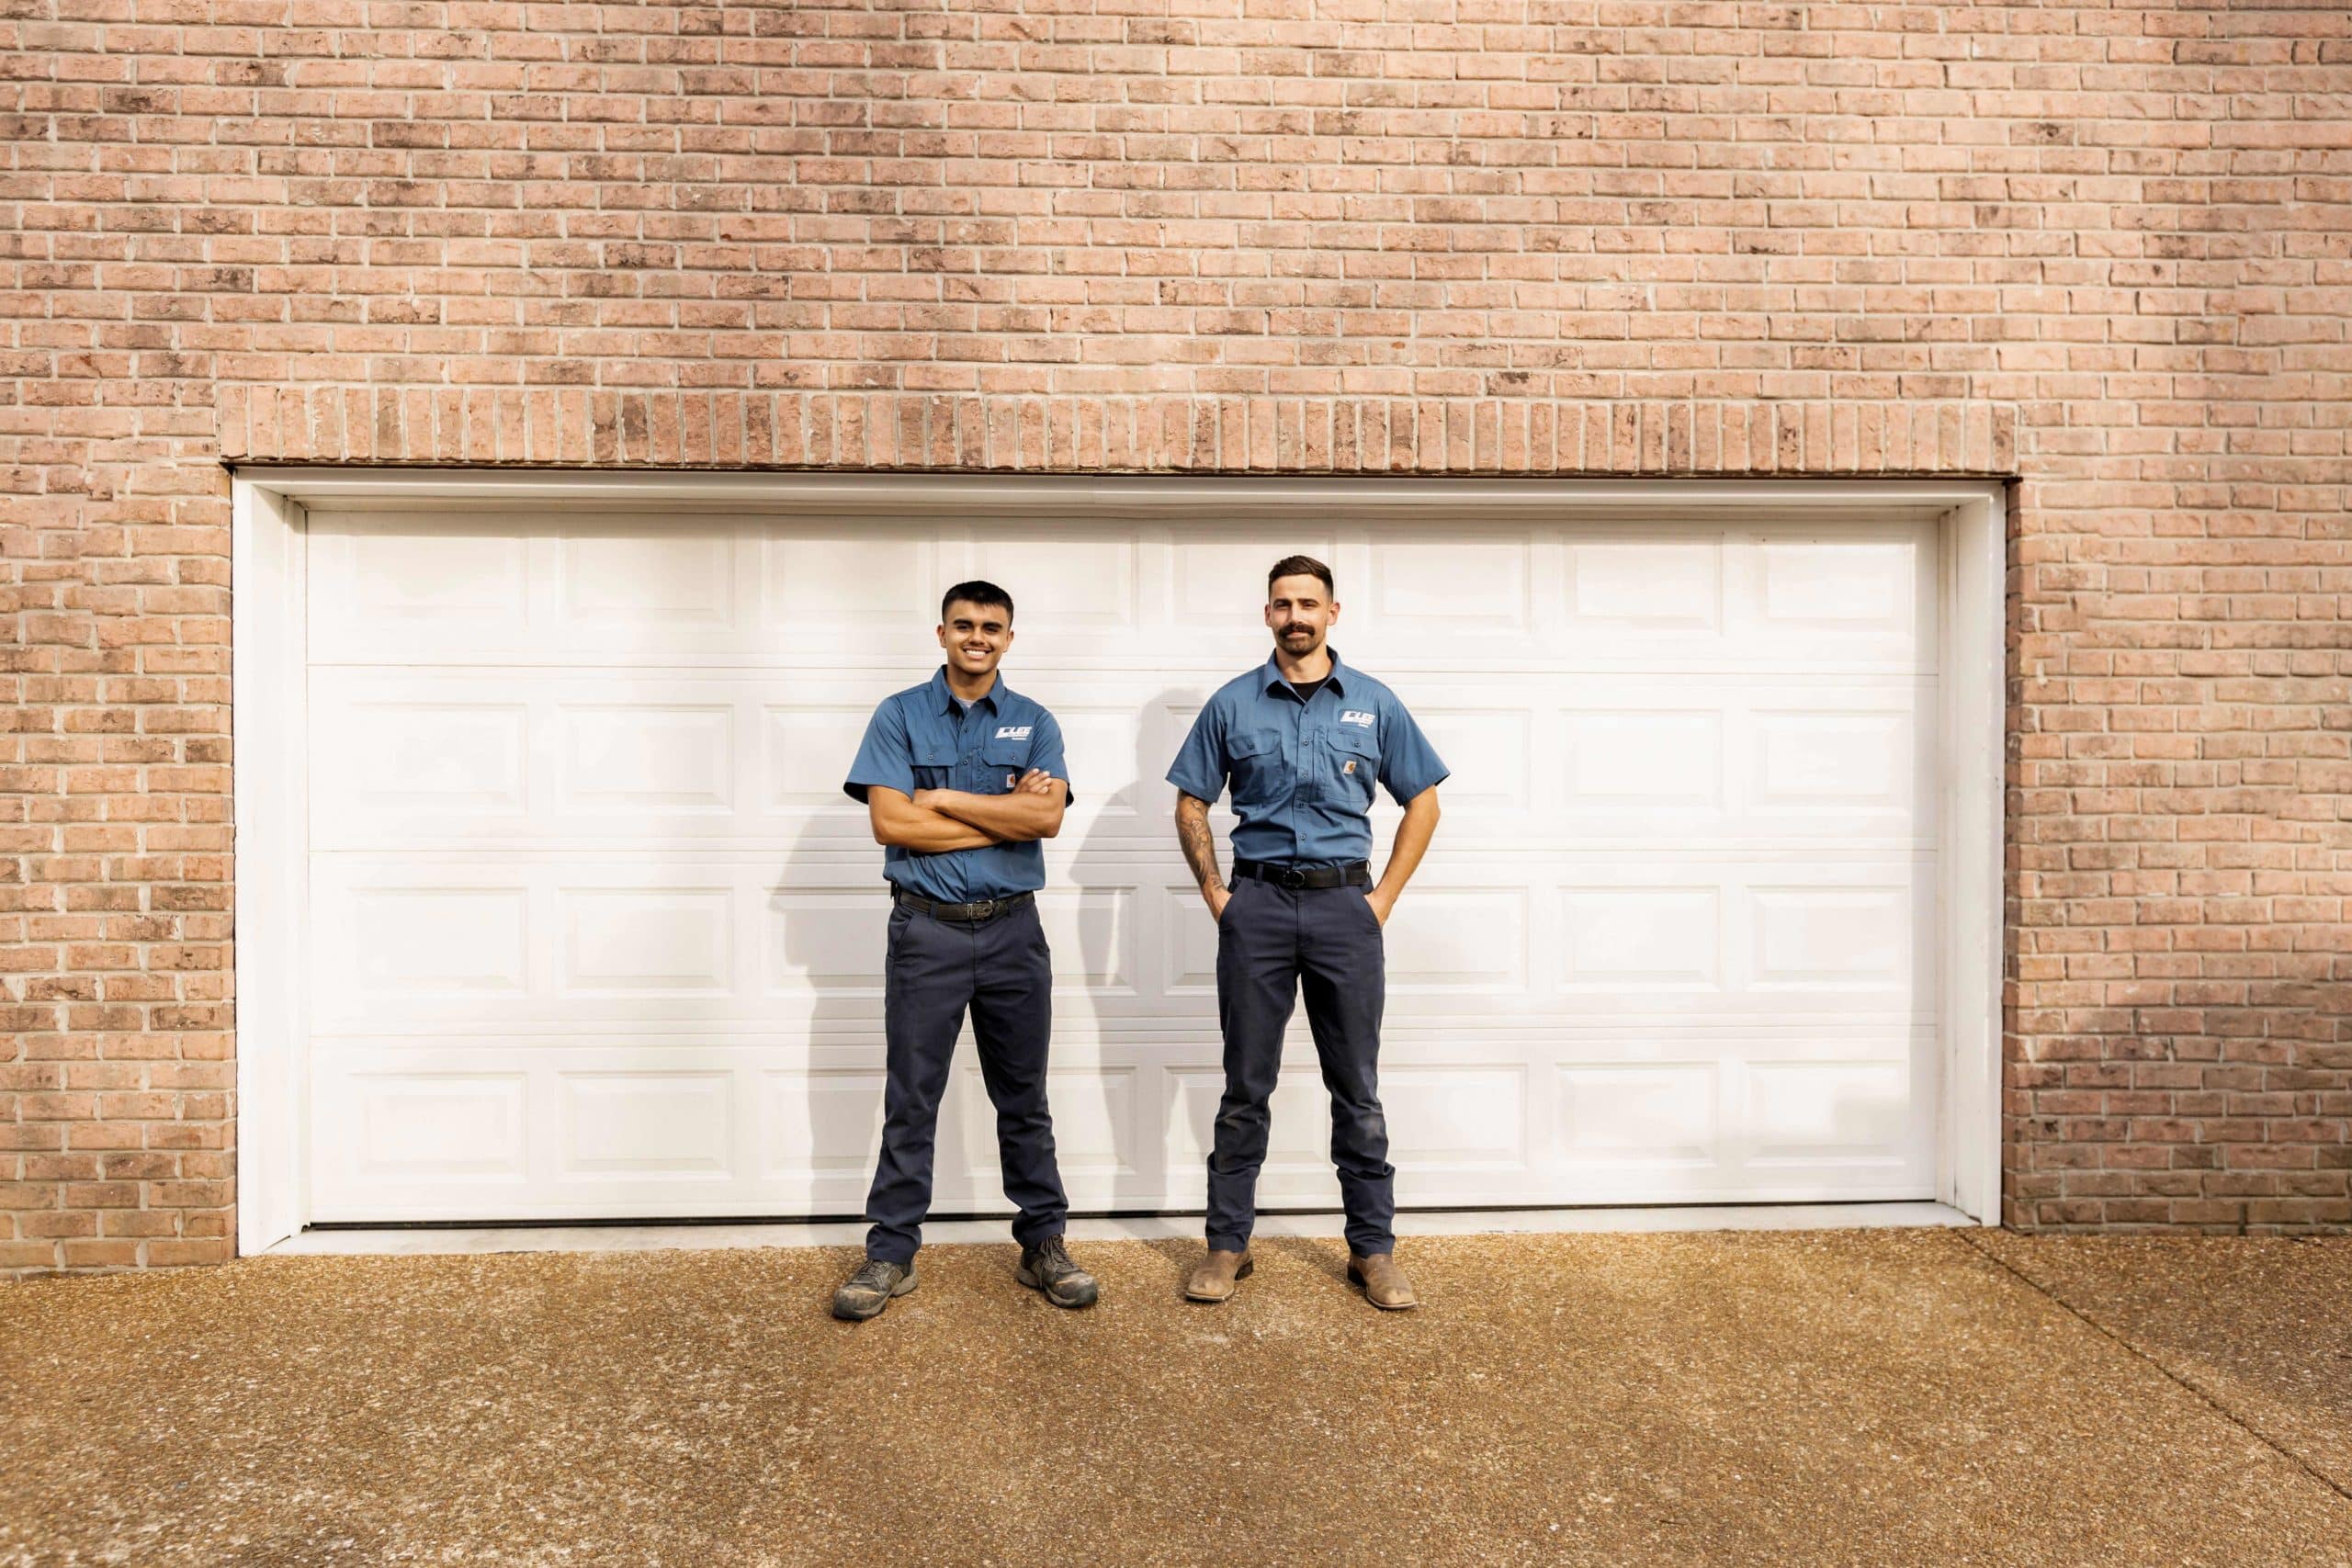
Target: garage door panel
<point>596,933</point>
<point>506,940</point>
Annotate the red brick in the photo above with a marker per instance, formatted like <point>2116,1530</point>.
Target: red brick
<point>2170,395</point>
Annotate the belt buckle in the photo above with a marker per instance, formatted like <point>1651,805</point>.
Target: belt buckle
<point>1293,877</point>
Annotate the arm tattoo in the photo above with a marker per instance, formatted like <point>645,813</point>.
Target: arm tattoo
<point>1199,843</point>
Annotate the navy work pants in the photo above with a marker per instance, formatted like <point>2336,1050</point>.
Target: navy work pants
<point>935,969</point>
<point>1270,942</point>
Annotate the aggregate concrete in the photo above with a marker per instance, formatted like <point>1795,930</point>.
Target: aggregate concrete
<point>1775,1397</point>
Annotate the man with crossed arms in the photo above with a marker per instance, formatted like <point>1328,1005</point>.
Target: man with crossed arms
<point>1303,738</point>
<point>961,777</point>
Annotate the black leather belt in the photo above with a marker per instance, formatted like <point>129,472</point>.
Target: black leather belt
<point>1356,874</point>
<point>986,909</point>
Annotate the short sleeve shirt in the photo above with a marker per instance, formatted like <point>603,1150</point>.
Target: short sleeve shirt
<point>1303,772</point>
<point>922,739</point>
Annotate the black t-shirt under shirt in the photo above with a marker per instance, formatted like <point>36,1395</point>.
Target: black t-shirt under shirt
<point>1306,689</point>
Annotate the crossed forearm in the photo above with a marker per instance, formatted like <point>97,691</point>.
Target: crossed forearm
<point>1010,818</point>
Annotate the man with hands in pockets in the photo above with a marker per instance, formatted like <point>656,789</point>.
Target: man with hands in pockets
<point>1303,740</point>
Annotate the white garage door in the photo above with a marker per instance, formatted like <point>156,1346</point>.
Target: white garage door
<point>596,933</point>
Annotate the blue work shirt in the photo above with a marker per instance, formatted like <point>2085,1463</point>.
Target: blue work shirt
<point>1303,771</point>
<point>922,739</point>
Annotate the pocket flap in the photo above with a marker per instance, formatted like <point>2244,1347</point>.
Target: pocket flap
<point>1360,742</point>
<point>1252,743</point>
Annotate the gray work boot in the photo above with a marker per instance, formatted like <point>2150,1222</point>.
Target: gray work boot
<point>1047,1267</point>
<point>868,1291</point>
<point>1384,1283</point>
<point>1213,1280</point>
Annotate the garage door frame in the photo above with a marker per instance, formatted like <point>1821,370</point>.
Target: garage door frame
<point>269,721</point>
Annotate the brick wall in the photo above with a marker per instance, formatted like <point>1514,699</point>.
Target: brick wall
<point>2104,247</point>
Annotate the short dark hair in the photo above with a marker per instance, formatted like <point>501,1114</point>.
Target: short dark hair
<point>1299,566</point>
<point>978,594</point>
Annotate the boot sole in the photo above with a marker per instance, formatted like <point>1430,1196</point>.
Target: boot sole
<point>1357,1280</point>
<point>1248,1266</point>
<point>1040,1286</point>
<point>900,1289</point>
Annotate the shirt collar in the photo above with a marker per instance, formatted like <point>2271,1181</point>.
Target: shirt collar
<point>1274,678</point>
<point>943,696</point>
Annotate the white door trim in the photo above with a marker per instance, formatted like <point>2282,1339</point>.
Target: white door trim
<point>269,721</point>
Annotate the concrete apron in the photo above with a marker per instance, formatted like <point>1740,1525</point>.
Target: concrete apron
<point>1878,1396</point>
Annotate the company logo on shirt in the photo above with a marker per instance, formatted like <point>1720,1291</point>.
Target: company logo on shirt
<point>1015,732</point>
<point>1356,715</point>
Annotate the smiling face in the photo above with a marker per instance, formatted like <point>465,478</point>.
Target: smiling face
<point>1300,612</point>
<point>975,636</point>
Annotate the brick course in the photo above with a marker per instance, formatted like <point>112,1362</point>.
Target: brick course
<point>2104,248</point>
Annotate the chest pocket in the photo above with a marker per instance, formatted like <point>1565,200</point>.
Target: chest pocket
<point>1261,773</point>
<point>1350,757</point>
<point>935,762</point>
<point>1001,764</point>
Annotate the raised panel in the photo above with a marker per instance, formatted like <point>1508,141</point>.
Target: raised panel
<point>619,581</point>
<point>445,574</point>
<point>809,753</point>
<point>439,939</point>
<point>1814,1110</point>
<point>648,757</point>
<point>1091,933</point>
<point>1833,760</point>
<point>1664,1115</point>
<point>1464,587</point>
<point>820,1123</point>
<point>650,939</point>
<point>1815,936</point>
<point>871,587</point>
<point>1489,753</point>
<point>1456,1117</point>
<point>420,756</point>
<point>449,1126</point>
<point>1855,583</point>
<point>1107,758</point>
<point>831,942</point>
<point>1673,584</point>
<point>1447,939</point>
<point>1190,932</point>
<point>1619,937</point>
<point>1617,759</point>
<point>648,1125</point>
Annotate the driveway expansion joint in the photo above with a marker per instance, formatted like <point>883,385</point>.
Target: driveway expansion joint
<point>2209,1399</point>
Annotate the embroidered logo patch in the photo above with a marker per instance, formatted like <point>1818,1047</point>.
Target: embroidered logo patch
<point>1356,715</point>
<point>1013,731</point>
<point>1349,766</point>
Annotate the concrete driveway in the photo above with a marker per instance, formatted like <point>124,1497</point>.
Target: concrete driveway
<point>1872,1397</point>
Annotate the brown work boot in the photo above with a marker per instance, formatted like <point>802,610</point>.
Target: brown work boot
<point>1213,1281</point>
<point>1384,1283</point>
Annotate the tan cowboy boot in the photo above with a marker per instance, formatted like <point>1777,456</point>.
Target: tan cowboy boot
<point>1384,1283</point>
<point>1213,1281</point>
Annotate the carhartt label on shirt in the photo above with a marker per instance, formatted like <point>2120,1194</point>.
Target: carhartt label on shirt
<point>1021,732</point>
<point>1356,715</point>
